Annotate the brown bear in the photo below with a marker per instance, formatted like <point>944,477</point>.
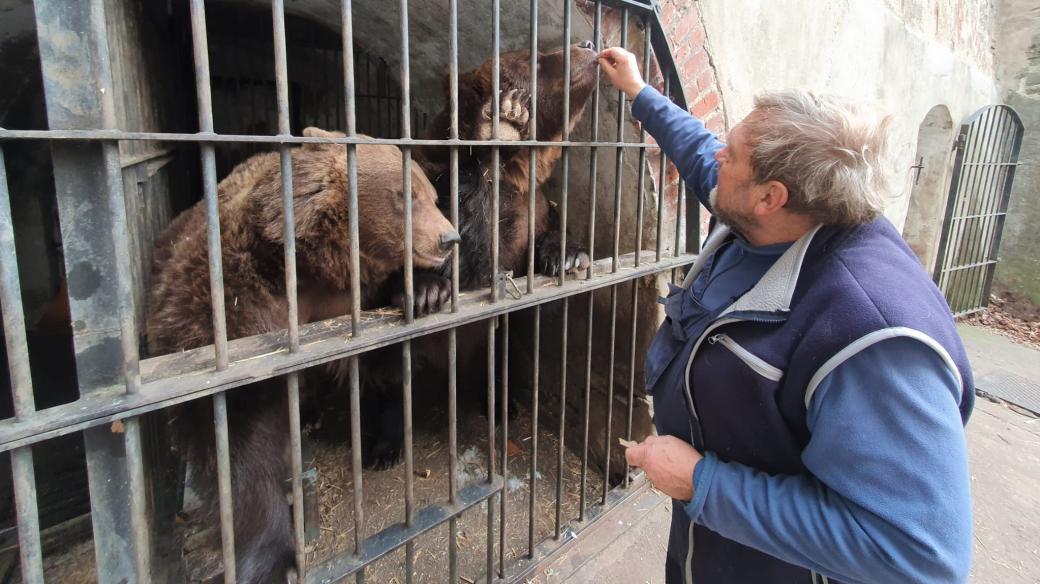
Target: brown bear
<point>432,287</point>
<point>252,236</point>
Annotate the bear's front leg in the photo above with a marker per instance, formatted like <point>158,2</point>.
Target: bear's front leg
<point>547,255</point>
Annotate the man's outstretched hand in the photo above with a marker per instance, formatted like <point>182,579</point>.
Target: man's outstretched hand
<point>622,70</point>
<point>668,462</point>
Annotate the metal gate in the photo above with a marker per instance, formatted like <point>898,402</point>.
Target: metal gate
<point>118,387</point>
<point>987,150</point>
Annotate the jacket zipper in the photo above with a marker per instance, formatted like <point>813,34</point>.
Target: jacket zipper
<point>756,363</point>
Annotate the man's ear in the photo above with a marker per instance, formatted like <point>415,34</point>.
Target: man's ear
<point>772,197</point>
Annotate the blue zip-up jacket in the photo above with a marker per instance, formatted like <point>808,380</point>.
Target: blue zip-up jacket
<point>838,452</point>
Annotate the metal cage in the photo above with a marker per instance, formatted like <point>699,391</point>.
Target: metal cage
<point>117,388</point>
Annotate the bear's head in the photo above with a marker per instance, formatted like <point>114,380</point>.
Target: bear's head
<point>475,94</point>
<point>321,207</point>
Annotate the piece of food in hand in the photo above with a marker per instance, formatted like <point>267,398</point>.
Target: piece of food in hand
<point>627,443</point>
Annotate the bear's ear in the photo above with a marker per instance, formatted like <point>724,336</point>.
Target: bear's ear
<point>312,132</point>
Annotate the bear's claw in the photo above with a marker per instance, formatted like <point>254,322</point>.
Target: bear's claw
<point>576,259</point>
<point>432,293</point>
<point>512,107</point>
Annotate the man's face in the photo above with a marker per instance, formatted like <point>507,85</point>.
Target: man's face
<point>732,198</point>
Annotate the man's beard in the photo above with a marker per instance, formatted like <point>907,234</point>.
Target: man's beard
<point>739,222</point>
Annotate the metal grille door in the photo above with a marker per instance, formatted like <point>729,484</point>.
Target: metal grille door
<point>984,169</point>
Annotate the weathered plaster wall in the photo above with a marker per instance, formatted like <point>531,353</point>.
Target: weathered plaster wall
<point>1018,54</point>
<point>903,56</point>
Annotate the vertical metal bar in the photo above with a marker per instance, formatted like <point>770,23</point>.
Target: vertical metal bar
<point>532,159</point>
<point>619,160</point>
<point>96,243</point>
<point>973,205</point>
<point>593,151</point>
<point>988,196</point>
<point>563,419</point>
<point>996,191</point>
<point>533,478</point>
<point>640,189</point>
<point>296,458</point>
<point>586,409</point>
<point>281,76</point>
<point>491,323</point>
<point>227,520</point>
<point>347,26</point>
<point>632,366</point>
<point>610,395</point>
<point>209,182</point>
<point>504,408</point>
<point>22,473</point>
<point>495,162</point>
<point>356,463</point>
<point>409,289</point>
<point>453,418</point>
<point>566,135</point>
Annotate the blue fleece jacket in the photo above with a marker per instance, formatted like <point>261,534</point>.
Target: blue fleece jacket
<point>888,495</point>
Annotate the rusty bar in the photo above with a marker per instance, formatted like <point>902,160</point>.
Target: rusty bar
<point>491,325</point>
<point>22,473</point>
<point>453,98</point>
<point>282,88</point>
<point>533,479</point>
<point>406,155</point>
<point>563,419</point>
<point>209,182</point>
<point>662,186</point>
<point>227,520</point>
<point>409,454</point>
<point>350,106</point>
<point>453,453</point>
<point>296,455</point>
<point>586,408</point>
<point>504,408</point>
<point>495,154</point>
<point>619,160</point>
<point>356,463</point>
<point>632,367</point>
<point>565,162</point>
<point>593,152</point>
<point>532,159</point>
<point>610,394</point>
<point>640,189</point>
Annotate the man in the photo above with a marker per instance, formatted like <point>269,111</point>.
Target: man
<point>809,385</point>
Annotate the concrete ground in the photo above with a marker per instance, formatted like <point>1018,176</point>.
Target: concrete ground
<point>1004,452</point>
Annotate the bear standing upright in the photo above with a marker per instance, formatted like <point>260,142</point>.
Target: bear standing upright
<point>252,238</point>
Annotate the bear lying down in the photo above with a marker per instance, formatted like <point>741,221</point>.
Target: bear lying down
<point>252,236</point>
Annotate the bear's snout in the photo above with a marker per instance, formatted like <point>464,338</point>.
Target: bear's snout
<point>448,239</point>
<point>586,44</point>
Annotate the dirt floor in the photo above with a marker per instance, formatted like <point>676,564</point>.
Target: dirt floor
<point>1010,315</point>
<point>384,497</point>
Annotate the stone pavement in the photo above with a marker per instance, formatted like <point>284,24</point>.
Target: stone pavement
<point>1004,452</point>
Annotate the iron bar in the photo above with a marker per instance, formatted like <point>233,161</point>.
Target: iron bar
<point>227,521</point>
<point>562,419</point>
<point>640,187</point>
<point>969,238</point>
<point>1016,146</point>
<point>533,478</point>
<point>350,106</point>
<point>491,324</point>
<point>610,395</point>
<point>532,159</point>
<point>586,408</point>
<point>504,409</point>
<point>597,33</point>
<point>409,454</point>
<point>296,461</point>
<point>23,476</point>
<point>632,367</point>
<point>211,138</point>
<point>356,464</point>
<point>453,417</point>
<point>619,159</point>
<point>453,453</point>
<point>285,157</point>
<point>989,199</point>
<point>496,88</point>
<point>566,134</point>
<point>409,290</point>
<point>662,186</point>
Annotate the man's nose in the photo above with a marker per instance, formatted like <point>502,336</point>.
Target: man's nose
<point>448,239</point>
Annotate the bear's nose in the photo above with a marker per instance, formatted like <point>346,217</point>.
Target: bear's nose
<point>586,44</point>
<point>448,239</point>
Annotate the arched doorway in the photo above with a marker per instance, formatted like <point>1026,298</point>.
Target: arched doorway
<point>931,165</point>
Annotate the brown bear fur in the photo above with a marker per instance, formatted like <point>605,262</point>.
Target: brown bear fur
<point>252,236</point>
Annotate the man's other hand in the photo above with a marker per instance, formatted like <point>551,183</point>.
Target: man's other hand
<point>622,70</point>
<point>668,462</point>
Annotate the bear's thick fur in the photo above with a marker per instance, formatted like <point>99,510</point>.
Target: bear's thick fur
<point>432,287</point>
<point>252,236</point>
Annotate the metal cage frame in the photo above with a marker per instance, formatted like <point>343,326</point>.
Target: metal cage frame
<point>117,385</point>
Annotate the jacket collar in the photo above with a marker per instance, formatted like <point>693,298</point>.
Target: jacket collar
<point>774,291</point>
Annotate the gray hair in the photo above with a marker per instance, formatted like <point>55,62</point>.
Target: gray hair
<point>828,153</point>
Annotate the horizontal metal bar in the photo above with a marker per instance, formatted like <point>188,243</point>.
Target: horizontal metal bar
<point>968,266</point>
<point>991,164</point>
<point>211,138</point>
<point>393,537</point>
<point>637,5</point>
<point>980,216</point>
<point>173,379</point>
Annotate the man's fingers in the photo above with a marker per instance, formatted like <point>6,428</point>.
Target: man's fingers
<point>634,455</point>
